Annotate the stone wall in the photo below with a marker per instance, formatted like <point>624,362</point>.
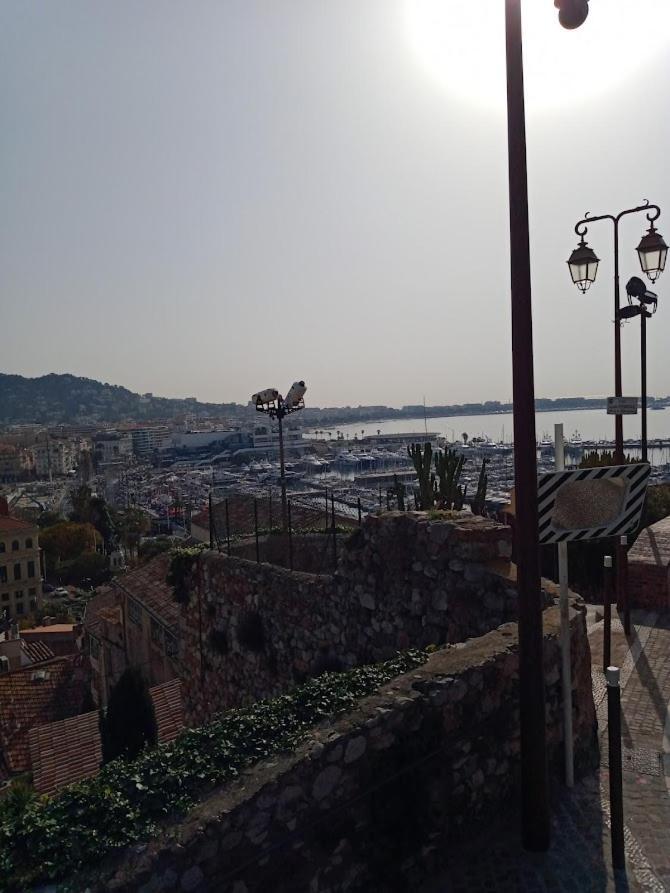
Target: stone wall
<point>649,568</point>
<point>376,800</point>
<point>252,630</point>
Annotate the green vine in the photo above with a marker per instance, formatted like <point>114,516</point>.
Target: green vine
<point>49,838</point>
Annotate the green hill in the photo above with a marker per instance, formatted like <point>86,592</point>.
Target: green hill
<point>67,399</point>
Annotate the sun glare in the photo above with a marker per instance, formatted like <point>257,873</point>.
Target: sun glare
<point>461,44</point>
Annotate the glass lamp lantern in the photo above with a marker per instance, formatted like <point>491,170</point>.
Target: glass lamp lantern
<point>653,253</point>
<point>583,266</point>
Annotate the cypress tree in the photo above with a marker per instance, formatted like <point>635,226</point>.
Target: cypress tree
<point>130,722</point>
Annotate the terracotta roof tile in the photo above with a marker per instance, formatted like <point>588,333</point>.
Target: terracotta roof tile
<point>169,709</point>
<point>33,696</point>
<point>65,751</point>
<point>36,651</point>
<point>148,585</point>
<point>70,750</point>
<point>7,523</point>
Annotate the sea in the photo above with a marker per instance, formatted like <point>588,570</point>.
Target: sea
<point>588,424</point>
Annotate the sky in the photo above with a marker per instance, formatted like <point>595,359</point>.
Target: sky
<point>214,197</point>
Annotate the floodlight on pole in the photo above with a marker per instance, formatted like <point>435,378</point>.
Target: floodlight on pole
<point>271,402</point>
<point>635,288</point>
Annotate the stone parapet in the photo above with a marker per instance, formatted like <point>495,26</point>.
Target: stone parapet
<point>404,579</point>
<point>377,800</point>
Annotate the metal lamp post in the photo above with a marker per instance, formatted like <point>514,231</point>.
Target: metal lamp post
<point>277,407</point>
<point>635,288</point>
<point>534,778</point>
<point>583,266</point>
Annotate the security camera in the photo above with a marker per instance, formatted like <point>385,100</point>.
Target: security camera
<point>295,394</point>
<point>636,288</point>
<point>269,395</point>
<point>572,13</point>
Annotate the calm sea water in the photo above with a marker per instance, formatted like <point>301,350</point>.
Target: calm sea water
<point>592,424</point>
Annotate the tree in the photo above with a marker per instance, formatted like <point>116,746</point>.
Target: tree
<point>131,525</point>
<point>67,541</point>
<point>129,724</point>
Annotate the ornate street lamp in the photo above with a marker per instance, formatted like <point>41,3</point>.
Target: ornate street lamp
<point>583,265</point>
<point>653,253</point>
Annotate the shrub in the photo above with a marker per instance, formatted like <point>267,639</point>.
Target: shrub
<point>130,723</point>
<point>181,566</point>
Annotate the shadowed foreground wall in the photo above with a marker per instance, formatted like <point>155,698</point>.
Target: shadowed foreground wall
<point>374,801</point>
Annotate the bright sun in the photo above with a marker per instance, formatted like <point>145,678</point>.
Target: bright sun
<point>462,44</point>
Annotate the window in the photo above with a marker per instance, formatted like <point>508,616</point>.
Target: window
<point>156,632</point>
<point>2,547</point>
<point>171,645</point>
<point>15,546</point>
<point>3,574</point>
<point>134,611</point>
<point>17,571</point>
<point>32,592</point>
<point>33,604</point>
<point>19,607</point>
<point>31,568</point>
<point>4,597</point>
<point>29,543</point>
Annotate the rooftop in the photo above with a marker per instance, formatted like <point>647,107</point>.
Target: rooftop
<point>34,696</point>
<point>148,585</point>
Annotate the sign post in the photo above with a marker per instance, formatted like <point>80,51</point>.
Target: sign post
<point>566,669</point>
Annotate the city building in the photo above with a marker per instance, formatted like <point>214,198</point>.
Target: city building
<point>112,447</point>
<point>133,622</point>
<point>54,457</point>
<point>11,467</point>
<point>20,569</point>
<point>147,440</point>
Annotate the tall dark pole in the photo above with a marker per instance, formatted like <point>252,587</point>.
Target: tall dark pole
<point>618,419</point>
<point>534,778</point>
<point>643,378</point>
<point>282,470</point>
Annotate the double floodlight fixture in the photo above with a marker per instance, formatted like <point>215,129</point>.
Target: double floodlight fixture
<point>270,401</point>
<point>635,288</point>
<point>572,13</point>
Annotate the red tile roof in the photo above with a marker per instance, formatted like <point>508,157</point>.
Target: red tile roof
<point>36,652</point>
<point>65,751</point>
<point>97,610</point>
<point>169,709</point>
<point>7,523</point>
<point>70,750</point>
<point>148,585</point>
<point>34,696</point>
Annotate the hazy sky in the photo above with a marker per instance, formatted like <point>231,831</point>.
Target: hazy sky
<point>209,198</point>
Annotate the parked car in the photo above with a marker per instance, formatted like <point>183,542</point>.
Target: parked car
<point>61,592</point>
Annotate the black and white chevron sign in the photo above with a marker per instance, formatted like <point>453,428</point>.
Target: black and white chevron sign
<point>634,480</point>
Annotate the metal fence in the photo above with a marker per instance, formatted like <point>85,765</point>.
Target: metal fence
<point>252,526</point>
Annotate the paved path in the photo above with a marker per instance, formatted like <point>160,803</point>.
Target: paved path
<point>580,856</point>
